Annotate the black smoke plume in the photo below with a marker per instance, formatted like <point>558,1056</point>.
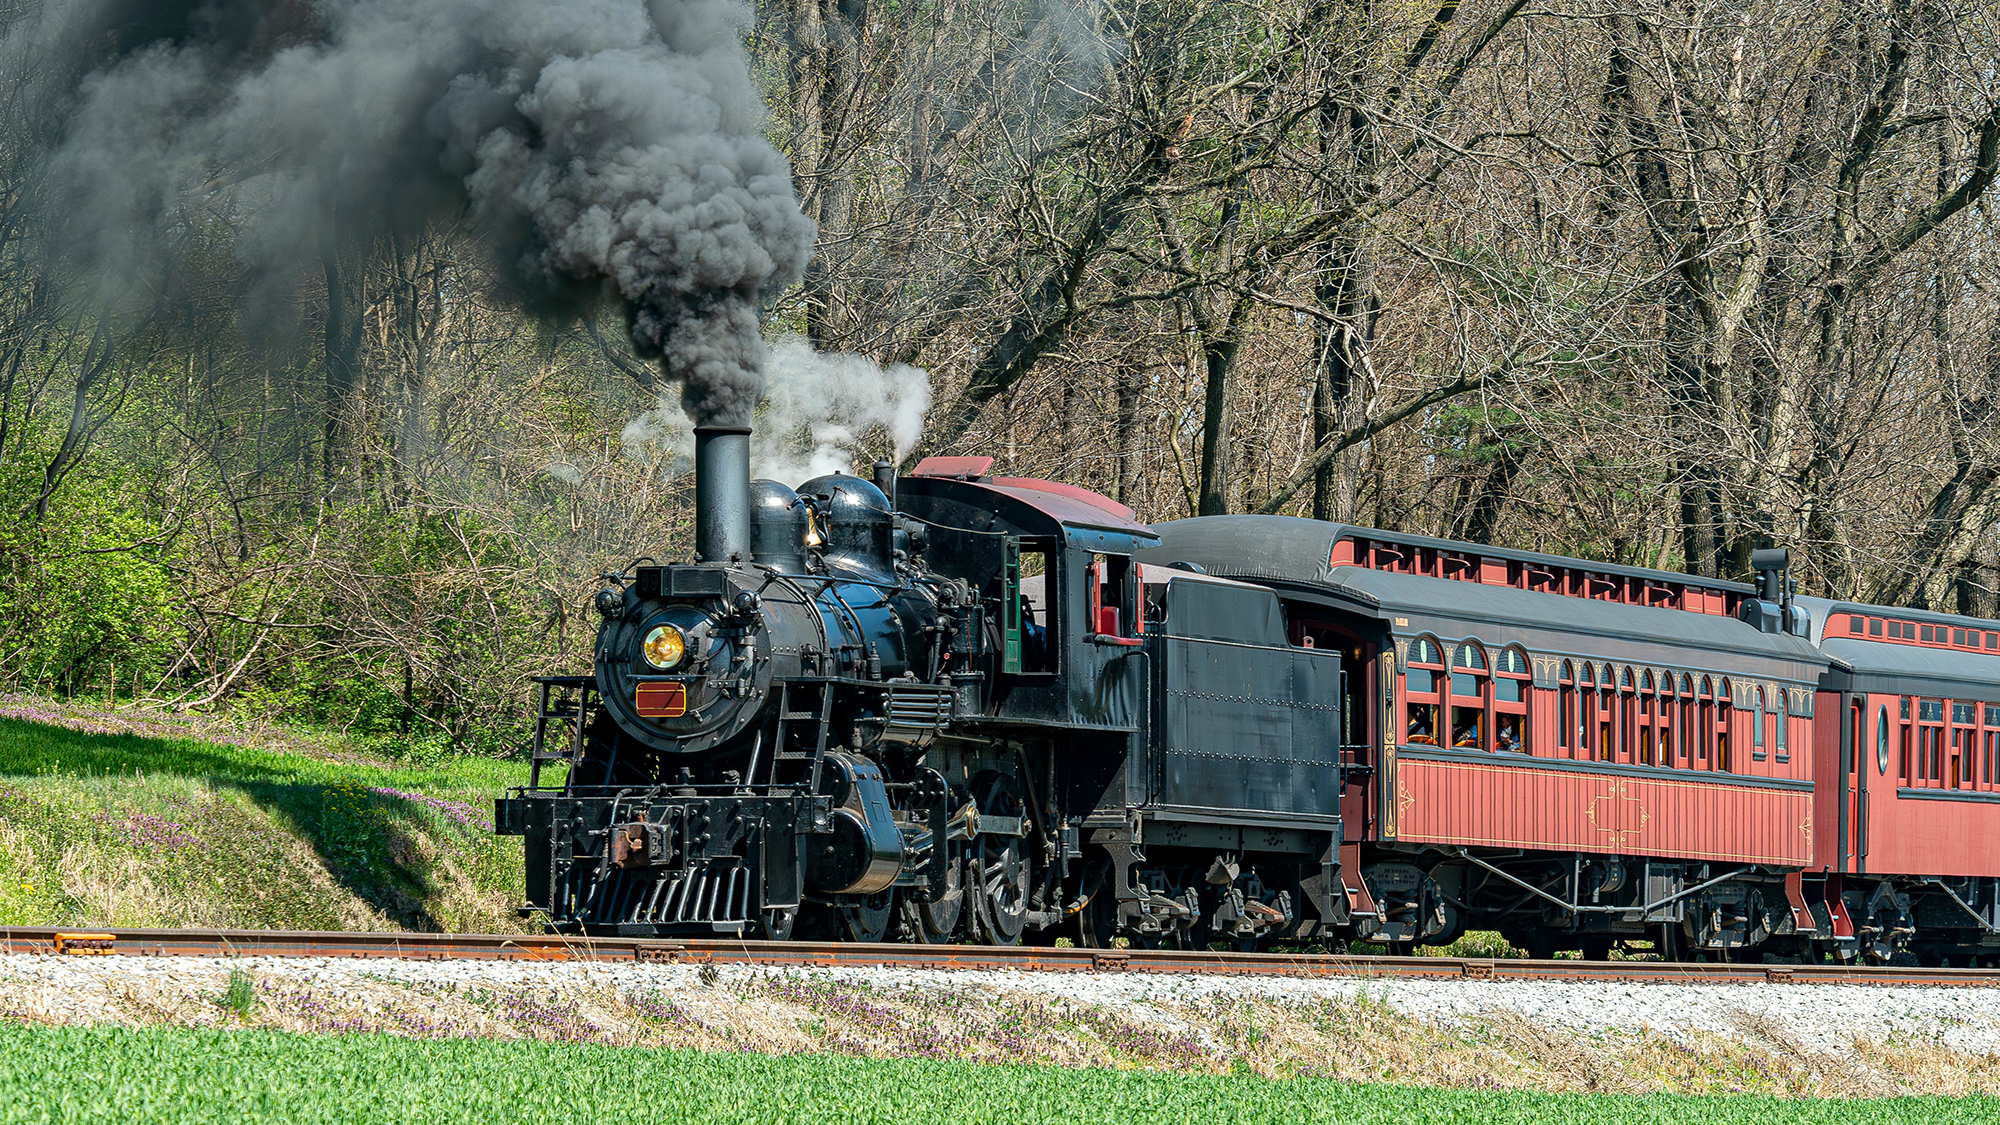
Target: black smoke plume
<point>598,146</point>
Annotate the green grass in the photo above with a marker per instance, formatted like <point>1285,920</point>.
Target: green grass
<point>30,749</point>
<point>110,1074</point>
<point>132,831</point>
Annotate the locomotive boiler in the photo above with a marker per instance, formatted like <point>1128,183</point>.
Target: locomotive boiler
<point>950,705</point>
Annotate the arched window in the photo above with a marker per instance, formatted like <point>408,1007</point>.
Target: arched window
<point>1669,719</point>
<point>1512,689</point>
<point>1725,713</point>
<point>1684,740</point>
<point>1627,716</point>
<point>1646,717</point>
<point>1606,716</point>
<point>1468,698</point>
<point>1586,711</point>
<point>1423,683</point>
<point>1784,725</point>
<point>1703,731</point>
<point>1757,731</point>
<point>1566,706</point>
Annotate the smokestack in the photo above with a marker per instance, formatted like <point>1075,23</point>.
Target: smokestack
<point>721,493</point>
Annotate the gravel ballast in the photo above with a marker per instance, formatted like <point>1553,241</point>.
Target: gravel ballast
<point>1785,1038</point>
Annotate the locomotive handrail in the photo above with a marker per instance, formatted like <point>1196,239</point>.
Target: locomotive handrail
<point>949,527</point>
<point>773,575</point>
<point>831,578</point>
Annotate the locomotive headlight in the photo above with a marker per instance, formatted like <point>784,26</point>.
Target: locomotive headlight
<point>665,647</point>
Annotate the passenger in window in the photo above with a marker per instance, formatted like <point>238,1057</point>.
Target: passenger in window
<point>1507,734</point>
<point>1034,639</point>
<point>1419,733</point>
<point>1467,734</point>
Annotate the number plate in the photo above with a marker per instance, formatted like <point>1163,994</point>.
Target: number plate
<point>660,701</point>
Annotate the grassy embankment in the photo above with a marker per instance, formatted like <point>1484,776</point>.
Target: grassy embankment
<point>138,819</point>
<point>181,1075</point>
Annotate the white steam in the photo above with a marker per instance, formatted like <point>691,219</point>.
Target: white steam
<point>817,412</point>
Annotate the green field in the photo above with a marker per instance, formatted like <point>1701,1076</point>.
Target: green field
<point>118,829</point>
<point>107,1074</point>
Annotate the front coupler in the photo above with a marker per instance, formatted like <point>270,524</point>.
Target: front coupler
<point>662,861</point>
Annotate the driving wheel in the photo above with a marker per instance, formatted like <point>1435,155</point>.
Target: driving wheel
<point>998,866</point>
<point>867,916</point>
<point>937,917</point>
<point>778,923</point>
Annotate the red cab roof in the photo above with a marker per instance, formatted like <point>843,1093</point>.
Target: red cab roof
<point>1065,503</point>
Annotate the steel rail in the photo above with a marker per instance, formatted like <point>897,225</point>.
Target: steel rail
<point>21,940</point>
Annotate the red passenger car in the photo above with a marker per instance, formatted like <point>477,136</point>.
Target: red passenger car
<point>1572,753</point>
<point>1908,757</point>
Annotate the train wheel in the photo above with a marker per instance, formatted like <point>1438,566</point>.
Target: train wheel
<point>937,918</point>
<point>1097,921</point>
<point>999,868</point>
<point>778,924</point>
<point>867,918</point>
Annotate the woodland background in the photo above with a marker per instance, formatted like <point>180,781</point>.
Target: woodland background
<point>1653,282</point>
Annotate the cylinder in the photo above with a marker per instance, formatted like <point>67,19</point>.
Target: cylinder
<point>721,493</point>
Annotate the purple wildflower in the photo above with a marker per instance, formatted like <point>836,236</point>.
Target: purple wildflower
<point>145,830</point>
<point>457,811</point>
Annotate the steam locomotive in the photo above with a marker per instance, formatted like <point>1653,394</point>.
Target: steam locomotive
<point>934,707</point>
<point>955,706</point>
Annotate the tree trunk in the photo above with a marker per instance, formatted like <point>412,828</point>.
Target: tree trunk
<point>1219,412</point>
<point>1346,289</point>
<point>1127,375</point>
<point>831,70</point>
<point>341,351</point>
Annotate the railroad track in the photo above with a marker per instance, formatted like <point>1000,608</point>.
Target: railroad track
<point>520,947</point>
